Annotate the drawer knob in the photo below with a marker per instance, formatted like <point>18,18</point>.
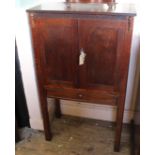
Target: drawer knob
<point>80,95</point>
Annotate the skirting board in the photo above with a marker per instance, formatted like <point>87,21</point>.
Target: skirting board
<point>38,123</point>
<point>94,111</point>
<point>86,110</point>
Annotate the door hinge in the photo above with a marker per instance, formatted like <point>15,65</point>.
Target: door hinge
<point>129,24</point>
<point>32,20</point>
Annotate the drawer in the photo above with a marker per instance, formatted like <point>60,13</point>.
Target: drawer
<point>84,95</point>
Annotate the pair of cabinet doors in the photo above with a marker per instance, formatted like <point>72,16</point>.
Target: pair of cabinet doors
<point>80,56</point>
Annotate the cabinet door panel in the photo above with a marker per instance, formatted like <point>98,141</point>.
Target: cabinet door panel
<point>99,40</point>
<point>58,42</point>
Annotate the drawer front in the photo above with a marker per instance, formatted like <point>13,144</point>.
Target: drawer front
<point>95,96</point>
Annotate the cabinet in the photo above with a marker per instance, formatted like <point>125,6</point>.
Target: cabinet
<point>81,53</point>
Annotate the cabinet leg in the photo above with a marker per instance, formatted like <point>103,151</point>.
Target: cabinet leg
<point>46,122</point>
<point>57,108</point>
<point>119,122</point>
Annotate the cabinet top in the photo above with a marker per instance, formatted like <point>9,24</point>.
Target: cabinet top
<point>124,9</point>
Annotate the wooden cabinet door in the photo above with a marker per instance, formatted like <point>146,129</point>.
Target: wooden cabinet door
<point>102,43</point>
<point>57,49</point>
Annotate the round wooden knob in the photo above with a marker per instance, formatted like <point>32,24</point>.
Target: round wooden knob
<point>80,95</point>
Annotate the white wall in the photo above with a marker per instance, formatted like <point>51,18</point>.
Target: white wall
<point>89,110</point>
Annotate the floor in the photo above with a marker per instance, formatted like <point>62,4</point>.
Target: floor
<point>73,136</point>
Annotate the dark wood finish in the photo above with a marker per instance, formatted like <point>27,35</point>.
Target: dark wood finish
<point>61,36</point>
<point>57,108</point>
<point>124,64</point>
<point>102,41</point>
<point>89,1</point>
<point>83,9</point>
<point>41,80</point>
<point>99,96</point>
<point>59,52</point>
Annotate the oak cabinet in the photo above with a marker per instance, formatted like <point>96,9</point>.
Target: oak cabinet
<point>82,55</point>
